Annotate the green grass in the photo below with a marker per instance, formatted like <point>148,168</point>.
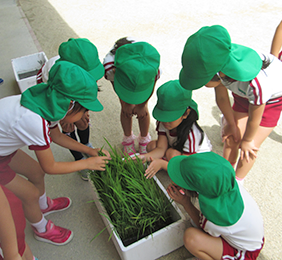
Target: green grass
<point>136,206</point>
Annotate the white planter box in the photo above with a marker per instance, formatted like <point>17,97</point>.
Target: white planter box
<point>26,68</point>
<point>153,246</point>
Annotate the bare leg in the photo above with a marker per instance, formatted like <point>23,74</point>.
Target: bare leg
<point>29,195</point>
<point>202,245</point>
<point>244,167</point>
<point>28,167</point>
<point>171,153</point>
<point>231,148</point>
<point>27,255</point>
<point>144,122</point>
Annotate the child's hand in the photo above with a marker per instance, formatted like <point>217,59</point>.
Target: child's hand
<point>154,167</point>
<point>97,163</point>
<point>175,194</point>
<point>248,149</point>
<point>229,130</point>
<point>142,157</point>
<point>95,152</point>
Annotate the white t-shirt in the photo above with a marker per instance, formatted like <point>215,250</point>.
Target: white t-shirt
<point>265,87</point>
<point>43,73</point>
<point>247,233</point>
<point>21,127</point>
<point>191,145</point>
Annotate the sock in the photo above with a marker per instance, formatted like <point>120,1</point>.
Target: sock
<point>34,258</point>
<point>144,139</point>
<point>128,139</point>
<point>240,180</point>
<point>77,155</point>
<point>41,225</point>
<point>83,135</point>
<point>43,201</point>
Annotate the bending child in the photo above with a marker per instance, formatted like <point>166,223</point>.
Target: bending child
<point>229,222</point>
<point>178,131</point>
<point>252,78</point>
<point>83,53</point>
<point>133,69</point>
<point>32,119</point>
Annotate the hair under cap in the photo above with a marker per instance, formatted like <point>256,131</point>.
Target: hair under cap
<point>84,53</point>
<point>209,51</point>
<point>67,82</point>
<point>213,178</point>
<point>173,100</point>
<point>137,66</point>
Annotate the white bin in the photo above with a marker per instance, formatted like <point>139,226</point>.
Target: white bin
<point>26,68</point>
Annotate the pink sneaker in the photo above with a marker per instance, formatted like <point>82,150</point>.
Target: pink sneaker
<point>54,234</point>
<point>56,205</point>
<point>129,148</point>
<point>143,148</point>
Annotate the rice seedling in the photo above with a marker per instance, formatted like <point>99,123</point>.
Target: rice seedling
<point>136,206</point>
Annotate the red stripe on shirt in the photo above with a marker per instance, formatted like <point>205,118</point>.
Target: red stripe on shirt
<point>259,94</point>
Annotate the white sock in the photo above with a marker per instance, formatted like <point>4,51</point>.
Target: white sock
<point>43,201</point>
<point>41,225</point>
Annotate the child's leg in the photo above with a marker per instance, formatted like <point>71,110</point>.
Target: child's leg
<point>144,122</point>
<point>244,167</point>
<point>77,155</point>
<point>27,255</point>
<point>27,166</point>
<point>171,153</point>
<point>202,245</point>
<point>29,195</point>
<point>231,148</point>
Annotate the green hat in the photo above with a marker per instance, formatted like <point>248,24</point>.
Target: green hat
<point>67,82</point>
<point>209,51</point>
<point>173,100</point>
<point>137,66</point>
<point>83,53</point>
<point>213,178</point>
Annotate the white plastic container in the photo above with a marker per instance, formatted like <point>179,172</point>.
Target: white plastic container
<point>153,246</point>
<point>26,68</point>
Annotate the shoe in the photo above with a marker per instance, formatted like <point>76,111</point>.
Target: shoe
<point>56,205</point>
<point>54,234</point>
<point>85,154</point>
<point>84,174</point>
<point>129,148</point>
<point>143,148</point>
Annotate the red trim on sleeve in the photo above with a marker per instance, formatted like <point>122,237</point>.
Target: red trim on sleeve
<point>38,148</point>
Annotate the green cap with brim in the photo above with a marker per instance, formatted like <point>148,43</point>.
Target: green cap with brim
<point>213,178</point>
<point>83,53</point>
<point>136,66</point>
<point>67,82</point>
<point>209,51</point>
<point>173,100</point>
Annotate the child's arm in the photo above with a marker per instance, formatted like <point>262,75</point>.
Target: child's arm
<point>248,147</point>
<point>185,201</point>
<point>8,236</point>
<point>277,41</point>
<point>223,102</point>
<point>65,141</point>
<point>50,166</point>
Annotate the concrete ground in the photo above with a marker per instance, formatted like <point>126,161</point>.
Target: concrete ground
<point>30,26</point>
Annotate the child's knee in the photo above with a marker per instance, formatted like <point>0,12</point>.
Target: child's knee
<point>230,142</point>
<point>170,153</point>
<point>151,146</point>
<point>192,238</point>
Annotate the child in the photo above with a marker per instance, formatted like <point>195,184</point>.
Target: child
<point>12,225</point>
<point>31,119</point>
<point>254,81</point>
<point>229,222</point>
<point>178,130</point>
<point>85,54</point>
<point>133,69</point>
<point>277,42</point>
